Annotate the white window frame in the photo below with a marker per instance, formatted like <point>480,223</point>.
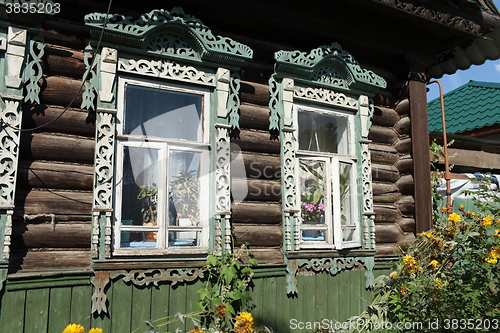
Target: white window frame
<point>332,161</point>
<point>164,146</point>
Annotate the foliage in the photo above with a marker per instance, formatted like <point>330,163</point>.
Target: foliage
<point>225,290</point>
<point>148,195</point>
<point>75,328</point>
<point>184,192</point>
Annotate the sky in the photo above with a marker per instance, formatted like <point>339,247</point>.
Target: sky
<point>488,72</point>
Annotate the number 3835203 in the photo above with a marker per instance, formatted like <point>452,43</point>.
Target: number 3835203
<point>32,7</point>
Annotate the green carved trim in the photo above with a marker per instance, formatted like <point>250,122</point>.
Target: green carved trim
<point>331,265</point>
<point>234,101</point>
<point>171,33</point>
<point>33,71</point>
<point>328,65</point>
<point>274,104</point>
<point>89,95</point>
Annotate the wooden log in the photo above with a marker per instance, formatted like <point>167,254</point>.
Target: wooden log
<point>386,213</point>
<point>476,159</point>
<point>379,134</point>
<point>406,205</point>
<point>254,116</point>
<point>66,34</point>
<point>72,121</point>
<point>404,164</point>
<point>39,146</point>
<point>385,173</point>
<point>257,189</point>
<point>405,241</point>
<point>406,184</point>
<point>258,234</point>
<point>387,233</point>
<point>383,154</point>
<point>385,117</point>
<point>21,215</point>
<point>407,224</point>
<point>258,166</point>
<point>60,91</point>
<point>256,212</point>
<point>63,62</point>
<point>387,197</point>
<point>54,236</point>
<point>267,255</point>
<point>56,176</point>
<point>51,260</point>
<point>403,107</point>
<point>382,188</point>
<point>403,126</point>
<point>257,141</point>
<point>403,146</point>
<point>56,202</point>
<point>254,93</point>
<point>387,250</point>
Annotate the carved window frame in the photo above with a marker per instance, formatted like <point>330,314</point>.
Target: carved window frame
<point>331,78</point>
<point>170,47</point>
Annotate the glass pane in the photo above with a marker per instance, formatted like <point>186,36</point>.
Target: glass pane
<point>314,235</point>
<point>183,238</point>
<point>346,216</point>
<point>140,186</point>
<point>163,113</point>
<point>323,133</point>
<point>184,189</point>
<point>138,239</point>
<point>312,195</point>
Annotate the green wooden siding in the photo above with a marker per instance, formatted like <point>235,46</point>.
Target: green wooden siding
<point>34,306</point>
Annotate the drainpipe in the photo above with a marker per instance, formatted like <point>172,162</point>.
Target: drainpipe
<point>447,173</point>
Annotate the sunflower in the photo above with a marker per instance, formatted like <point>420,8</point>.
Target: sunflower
<point>244,323</point>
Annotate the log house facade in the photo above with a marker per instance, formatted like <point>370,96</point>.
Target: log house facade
<point>60,255</point>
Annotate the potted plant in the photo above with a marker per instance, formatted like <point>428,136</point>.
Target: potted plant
<point>184,192</point>
<point>148,196</point>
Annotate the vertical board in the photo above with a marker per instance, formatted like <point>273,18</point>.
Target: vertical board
<point>37,313</point>
<point>81,302</point>
<point>13,310</point>
<point>120,307</point>
<point>159,302</point>
<point>141,305</point>
<point>59,309</point>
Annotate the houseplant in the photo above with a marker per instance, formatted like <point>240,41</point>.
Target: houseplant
<point>184,192</point>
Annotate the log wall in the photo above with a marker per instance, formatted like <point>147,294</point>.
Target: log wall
<point>52,224</point>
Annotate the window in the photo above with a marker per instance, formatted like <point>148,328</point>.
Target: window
<point>162,168</point>
<point>327,183</point>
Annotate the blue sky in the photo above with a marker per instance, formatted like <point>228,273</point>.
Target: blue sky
<point>489,72</point>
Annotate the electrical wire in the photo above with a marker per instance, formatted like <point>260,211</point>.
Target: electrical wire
<point>81,86</point>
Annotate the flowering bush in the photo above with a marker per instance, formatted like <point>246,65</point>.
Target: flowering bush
<point>74,328</point>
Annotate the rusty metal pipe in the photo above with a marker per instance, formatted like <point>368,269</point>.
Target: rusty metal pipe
<point>447,173</point>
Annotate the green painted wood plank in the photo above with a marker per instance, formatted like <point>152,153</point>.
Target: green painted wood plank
<point>191,302</point>
<point>103,320</point>
<point>37,314</point>
<point>159,302</point>
<point>120,307</point>
<point>282,322</point>
<point>269,305</point>
<point>178,294</point>
<point>12,312</point>
<point>60,309</point>
<point>141,306</point>
<point>81,305</point>
<point>308,304</point>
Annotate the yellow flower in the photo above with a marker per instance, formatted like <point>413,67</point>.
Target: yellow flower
<point>74,328</point>
<point>403,290</point>
<point>489,260</point>
<point>461,208</point>
<point>244,323</point>
<point>469,213</point>
<point>196,329</point>
<point>439,283</point>
<point>434,264</point>
<point>454,217</point>
<point>497,233</point>
<point>393,275</point>
<point>496,251</point>
<point>487,221</point>
<point>444,209</point>
<point>95,330</point>
<point>409,260</point>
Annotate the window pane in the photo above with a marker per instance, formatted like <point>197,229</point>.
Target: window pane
<point>163,113</point>
<point>184,189</point>
<point>314,235</point>
<point>323,133</point>
<point>140,186</point>
<point>346,208</point>
<point>183,238</point>
<point>312,196</point>
<point>138,239</point>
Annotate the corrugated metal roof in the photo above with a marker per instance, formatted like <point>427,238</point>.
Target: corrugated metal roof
<point>471,106</point>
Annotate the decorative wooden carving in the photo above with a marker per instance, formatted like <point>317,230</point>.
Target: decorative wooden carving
<point>109,58</point>
<point>92,80</point>
<point>33,71</point>
<point>16,45</point>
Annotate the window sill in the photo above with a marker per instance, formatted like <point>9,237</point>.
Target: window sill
<point>326,253</point>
